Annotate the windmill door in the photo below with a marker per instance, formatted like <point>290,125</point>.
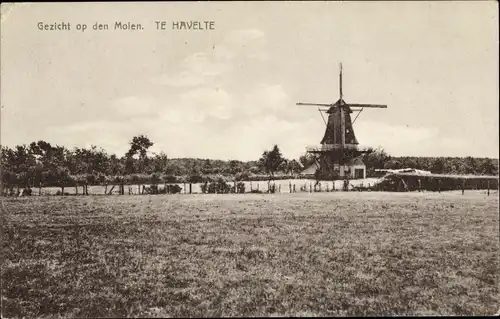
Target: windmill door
<point>359,173</point>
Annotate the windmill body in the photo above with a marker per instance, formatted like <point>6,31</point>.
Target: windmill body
<point>338,155</point>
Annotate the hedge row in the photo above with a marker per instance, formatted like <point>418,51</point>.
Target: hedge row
<point>409,182</point>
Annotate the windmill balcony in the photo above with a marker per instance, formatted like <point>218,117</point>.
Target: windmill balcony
<point>331,147</point>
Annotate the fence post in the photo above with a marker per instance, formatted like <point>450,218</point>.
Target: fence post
<point>190,188</point>
<point>439,185</point>
<point>488,185</point>
<point>279,188</point>
<point>310,187</point>
<point>294,188</point>
<point>463,186</point>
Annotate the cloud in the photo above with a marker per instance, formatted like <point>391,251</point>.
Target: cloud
<point>208,102</point>
<point>204,67</point>
<point>244,36</point>
<point>183,79</point>
<point>204,121</point>
<point>196,106</point>
<point>247,43</point>
<point>111,135</point>
<point>134,105</point>
<point>264,99</point>
<point>195,70</point>
<point>219,103</point>
<point>205,64</point>
<point>400,140</point>
<point>171,116</point>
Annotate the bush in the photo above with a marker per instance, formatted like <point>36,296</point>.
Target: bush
<point>153,189</point>
<point>215,178</point>
<point>170,179</point>
<point>218,186</point>
<point>92,179</point>
<point>260,178</point>
<point>155,179</point>
<point>244,176</point>
<point>434,183</point>
<point>173,189</point>
<point>195,179</point>
<point>240,187</point>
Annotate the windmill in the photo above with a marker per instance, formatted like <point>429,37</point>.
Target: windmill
<point>339,151</point>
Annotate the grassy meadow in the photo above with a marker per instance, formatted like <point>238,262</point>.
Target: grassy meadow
<point>303,254</point>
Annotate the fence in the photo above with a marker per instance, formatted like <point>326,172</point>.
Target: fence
<point>280,186</point>
<point>391,183</point>
<point>436,182</point>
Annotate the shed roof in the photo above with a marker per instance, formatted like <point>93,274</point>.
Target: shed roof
<point>356,162</point>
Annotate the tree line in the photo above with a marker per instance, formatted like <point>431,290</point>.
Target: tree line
<point>41,164</point>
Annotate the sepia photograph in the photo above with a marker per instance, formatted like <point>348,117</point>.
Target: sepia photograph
<point>249,159</point>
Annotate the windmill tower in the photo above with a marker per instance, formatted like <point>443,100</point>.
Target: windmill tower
<point>338,154</point>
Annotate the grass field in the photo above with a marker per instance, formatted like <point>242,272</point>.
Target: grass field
<point>329,254</point>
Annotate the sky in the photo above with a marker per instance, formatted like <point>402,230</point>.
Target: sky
<point>231,92</point>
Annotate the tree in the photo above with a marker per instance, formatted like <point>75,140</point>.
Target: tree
<point>438,166</point>
<point>488,168</point>
<point>160,162</point>
<point>45,169</point>
<point>63,177</point>
<point>294,167</point>
<point>408,162</point>
<point>306,160</point>
<point>139,145</point>
<point>194,170</point>
<point>271,162</point>
<point>23,165</point>
<point>207,167</point>
<point>393,164</point>
<point>116,166</point>
<point>376,158</point>
<point>235,167</point>
<point>470,165</point>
